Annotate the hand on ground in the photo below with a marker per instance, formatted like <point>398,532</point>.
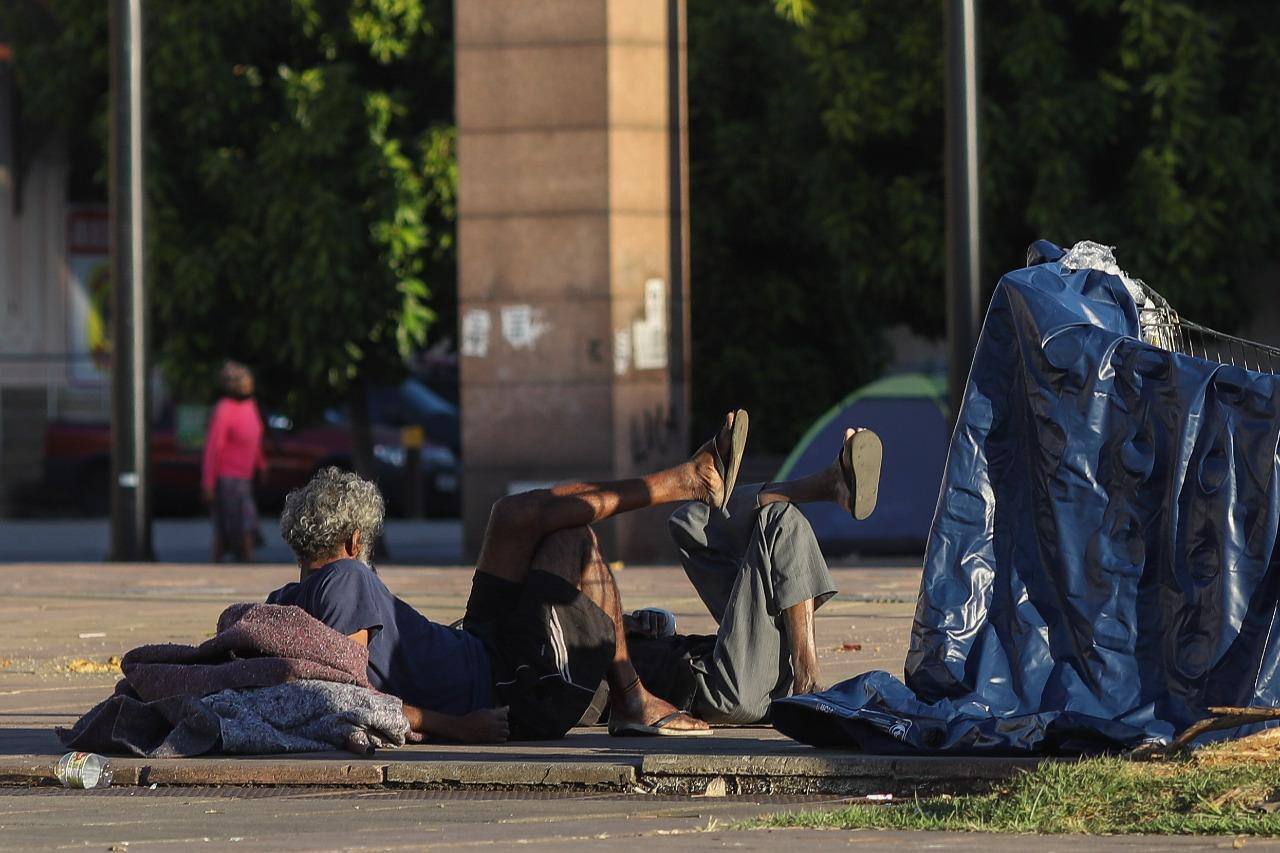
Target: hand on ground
<point>488,725</point>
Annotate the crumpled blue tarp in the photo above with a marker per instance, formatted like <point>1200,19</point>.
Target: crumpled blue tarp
<point>1103,561</point>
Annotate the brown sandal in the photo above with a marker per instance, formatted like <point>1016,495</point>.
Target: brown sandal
<point>728,471</point>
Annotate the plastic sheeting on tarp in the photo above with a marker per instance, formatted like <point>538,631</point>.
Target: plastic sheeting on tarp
<point>1103,564</point>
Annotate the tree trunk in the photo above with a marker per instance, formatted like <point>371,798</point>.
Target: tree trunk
<point>361,429</point>
<point>362,447</point>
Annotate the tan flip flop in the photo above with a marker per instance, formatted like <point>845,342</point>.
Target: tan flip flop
<point>728,470</point>
<point>860,462</point>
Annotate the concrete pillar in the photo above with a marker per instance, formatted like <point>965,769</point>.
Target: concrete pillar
<point>572,250</point>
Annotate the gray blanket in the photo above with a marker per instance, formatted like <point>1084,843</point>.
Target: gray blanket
<point>307,716</point>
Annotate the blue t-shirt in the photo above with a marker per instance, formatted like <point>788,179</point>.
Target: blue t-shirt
<point>424,663</point>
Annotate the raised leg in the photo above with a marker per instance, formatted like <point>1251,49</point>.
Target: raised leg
<point>574,554</point>
<point>518,523</point>
<point>852,480</point>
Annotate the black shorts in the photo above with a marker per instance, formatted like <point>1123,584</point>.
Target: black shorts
<point>549,645</point>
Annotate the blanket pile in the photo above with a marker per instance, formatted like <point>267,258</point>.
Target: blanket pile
<point>272,679</point>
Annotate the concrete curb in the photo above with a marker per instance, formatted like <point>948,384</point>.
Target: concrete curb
<point>825,774</point>
<point>656,773</point>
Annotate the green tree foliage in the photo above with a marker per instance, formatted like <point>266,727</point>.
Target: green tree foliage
<point>774,326</point>
<point>301,179</point>
<point>1151,125</point>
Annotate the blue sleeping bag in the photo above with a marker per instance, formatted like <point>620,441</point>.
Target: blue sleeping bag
<point>1102,565</point>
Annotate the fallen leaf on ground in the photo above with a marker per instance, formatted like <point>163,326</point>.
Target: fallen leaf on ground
<point>851,647</point>
<point>84,665</point>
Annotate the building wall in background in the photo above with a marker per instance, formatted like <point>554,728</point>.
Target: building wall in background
<point>38,328</point>
<point>572,250</point>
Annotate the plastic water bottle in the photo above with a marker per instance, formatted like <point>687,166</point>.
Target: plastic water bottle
<point>84,770</point>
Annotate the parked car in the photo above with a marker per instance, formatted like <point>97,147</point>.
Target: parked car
<point>411,403</point>
<point>77,464</point>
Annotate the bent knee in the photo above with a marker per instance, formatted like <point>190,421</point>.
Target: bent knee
<point>516,511</point>
<point>784,516</point>
<point>688,518</point>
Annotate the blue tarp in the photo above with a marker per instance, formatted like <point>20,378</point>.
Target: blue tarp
<point>1103,560</point>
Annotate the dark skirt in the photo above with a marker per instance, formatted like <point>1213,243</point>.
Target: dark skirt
<point>235,515</point>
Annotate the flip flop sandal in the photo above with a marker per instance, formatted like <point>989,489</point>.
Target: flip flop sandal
<point>658,728</point>
<point>860,461</point>
<point>737,446</point>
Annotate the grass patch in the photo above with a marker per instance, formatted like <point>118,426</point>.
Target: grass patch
<point>1096,796</point>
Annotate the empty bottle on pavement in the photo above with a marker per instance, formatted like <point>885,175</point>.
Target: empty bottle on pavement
<point>84,770</point>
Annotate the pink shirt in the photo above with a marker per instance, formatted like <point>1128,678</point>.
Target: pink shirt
<point>233,447</point>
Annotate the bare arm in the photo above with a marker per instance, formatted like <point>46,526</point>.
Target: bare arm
<point>798,621</point>
<point>487,725</point>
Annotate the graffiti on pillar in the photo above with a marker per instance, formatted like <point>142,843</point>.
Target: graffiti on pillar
<point>621,351</point>
<point>653,433</point>
<point>649,335</point>
<point>522,325</point>
<point>476,327</point>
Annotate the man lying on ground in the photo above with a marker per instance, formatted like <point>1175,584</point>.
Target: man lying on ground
<point>758,569</point>
<point>543,624</point>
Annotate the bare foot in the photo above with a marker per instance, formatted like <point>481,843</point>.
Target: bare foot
<point>638,705</point>
<point>805,683</point>
<point>839,488</point>
<point>708,485</point>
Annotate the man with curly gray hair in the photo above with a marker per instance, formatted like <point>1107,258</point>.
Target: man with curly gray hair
<point>332,508</point>
<point>543,625</point>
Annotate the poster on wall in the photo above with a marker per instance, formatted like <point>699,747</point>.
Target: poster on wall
<point>89,296</point>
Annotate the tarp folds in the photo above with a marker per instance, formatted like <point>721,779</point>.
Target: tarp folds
<point>1102,565</point>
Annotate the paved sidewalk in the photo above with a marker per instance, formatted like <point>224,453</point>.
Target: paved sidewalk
<point>187,540</point>
<point>56,619</point>
<point>180,819</point>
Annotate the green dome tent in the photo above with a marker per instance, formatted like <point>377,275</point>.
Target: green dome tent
<point>909,411</point>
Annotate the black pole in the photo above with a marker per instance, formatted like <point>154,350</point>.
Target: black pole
<point>964,256</point>
<point>130,422</point>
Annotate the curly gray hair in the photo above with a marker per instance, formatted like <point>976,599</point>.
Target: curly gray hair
<point>319,517</point>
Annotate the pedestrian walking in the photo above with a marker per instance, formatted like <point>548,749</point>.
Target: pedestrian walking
<point>232,456</point>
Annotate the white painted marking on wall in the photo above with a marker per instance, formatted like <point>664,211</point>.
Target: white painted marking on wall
<point>476,327</point>
<point>650,334</point>
<point>622,351</point>
<point>522,325</point>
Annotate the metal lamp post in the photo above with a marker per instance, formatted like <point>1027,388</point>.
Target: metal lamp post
<point>130,419</point>
<point>964,257</point>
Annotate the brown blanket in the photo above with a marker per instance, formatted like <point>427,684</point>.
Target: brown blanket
<point>257,645</point>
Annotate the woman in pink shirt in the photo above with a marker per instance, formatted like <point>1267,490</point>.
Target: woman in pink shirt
<point>232,456</point>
